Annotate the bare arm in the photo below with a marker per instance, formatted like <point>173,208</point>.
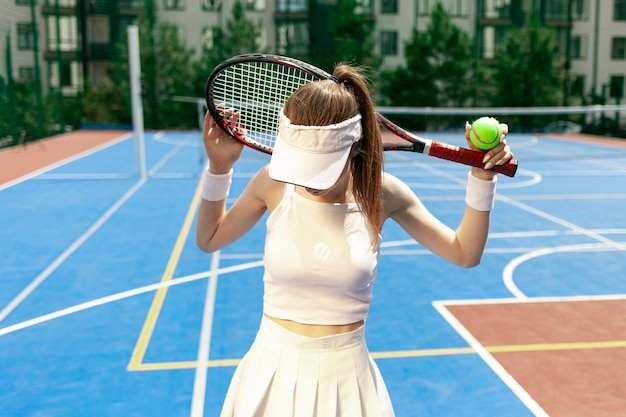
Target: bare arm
<point>465,245</point>
<point>462,247</point>
<point>217,227</point>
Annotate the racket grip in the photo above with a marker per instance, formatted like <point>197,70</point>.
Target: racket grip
<point>469,157</point>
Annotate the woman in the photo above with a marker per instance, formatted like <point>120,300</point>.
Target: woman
<point>328,198</point>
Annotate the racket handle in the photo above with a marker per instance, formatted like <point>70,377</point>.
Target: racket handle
<point>469,157</point>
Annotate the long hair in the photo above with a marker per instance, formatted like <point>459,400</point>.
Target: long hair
<point>327,102</point>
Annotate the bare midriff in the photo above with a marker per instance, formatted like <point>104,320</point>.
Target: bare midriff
<point>317,330</point>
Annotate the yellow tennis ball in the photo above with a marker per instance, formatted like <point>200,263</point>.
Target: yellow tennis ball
<point>485,133</point>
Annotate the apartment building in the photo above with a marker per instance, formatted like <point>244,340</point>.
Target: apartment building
<point>71,39</point>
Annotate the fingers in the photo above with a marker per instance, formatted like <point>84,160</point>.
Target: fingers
<point>231,118</point>
<point>499,155</point>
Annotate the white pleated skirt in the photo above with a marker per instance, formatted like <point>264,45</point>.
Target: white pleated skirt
<point>285,374</point>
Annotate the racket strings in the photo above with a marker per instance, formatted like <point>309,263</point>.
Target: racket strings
<point>258,90</point>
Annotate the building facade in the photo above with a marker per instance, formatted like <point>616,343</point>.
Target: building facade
<point>70,40</point>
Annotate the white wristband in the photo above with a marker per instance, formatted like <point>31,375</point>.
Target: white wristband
<point>215,187</point>
<point>480,194</point>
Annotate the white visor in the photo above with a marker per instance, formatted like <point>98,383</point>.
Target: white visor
<point>313,156</point>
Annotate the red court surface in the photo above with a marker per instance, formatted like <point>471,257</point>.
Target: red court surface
<point>567,355</point>
<point>19,161</point>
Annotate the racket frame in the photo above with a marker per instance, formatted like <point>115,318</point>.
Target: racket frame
<point>414,143</point>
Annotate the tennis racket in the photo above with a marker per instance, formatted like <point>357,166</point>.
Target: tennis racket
<point>257,85</point>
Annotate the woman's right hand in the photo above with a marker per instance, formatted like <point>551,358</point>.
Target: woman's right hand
<point>221,149</point>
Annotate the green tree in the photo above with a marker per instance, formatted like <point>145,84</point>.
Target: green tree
<point>167,71</point>
<point>412,85</point>
<point>352,34</point>
<point>529,72</point>
<point>452,59</point>
<point>439,71</point>
<point>240,36</point>
<point>104,104</point>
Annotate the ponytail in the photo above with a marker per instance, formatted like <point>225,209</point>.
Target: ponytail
<point>367,164</point>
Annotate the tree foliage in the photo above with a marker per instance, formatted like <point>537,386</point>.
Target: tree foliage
<point>166,72</point>
<point>529,71</point>
<point>240,37</point>
<point>352,34</point>
<point>438,71</point>
<point>451,57</point>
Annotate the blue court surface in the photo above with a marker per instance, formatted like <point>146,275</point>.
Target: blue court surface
<point>107,308</point>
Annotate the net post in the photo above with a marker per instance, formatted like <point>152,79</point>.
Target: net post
<point>137,106</point>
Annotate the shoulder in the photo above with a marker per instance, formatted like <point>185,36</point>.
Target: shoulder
<point>266,189</point>
<point>397,195</point>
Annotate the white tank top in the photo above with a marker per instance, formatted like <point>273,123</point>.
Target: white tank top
<point>319,261</point>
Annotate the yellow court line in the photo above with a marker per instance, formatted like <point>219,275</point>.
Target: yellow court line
<point>406,354</point>
<point>557,346</point>
<point>157,303</point>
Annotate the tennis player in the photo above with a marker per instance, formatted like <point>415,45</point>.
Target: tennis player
<point>328,198</point>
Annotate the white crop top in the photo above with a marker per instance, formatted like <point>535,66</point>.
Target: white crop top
<point>319,262</point>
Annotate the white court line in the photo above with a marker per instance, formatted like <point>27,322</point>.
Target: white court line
<point>86,176</point>
<point>167,156</point>
<point>509,269</point>
<point>204,347</point>
<point>507,273</point>
<point>497,368</point>
<point>564,223</point>
<point>164,137</point>
<point>32,286</point>
<point>120,296</point>
<point>547,299</point>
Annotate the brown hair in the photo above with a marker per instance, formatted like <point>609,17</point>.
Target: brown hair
<point>327,102</point>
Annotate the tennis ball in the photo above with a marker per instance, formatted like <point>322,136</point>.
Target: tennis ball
<point>485,133</point>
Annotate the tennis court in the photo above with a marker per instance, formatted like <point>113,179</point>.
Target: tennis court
<point>107,308</point>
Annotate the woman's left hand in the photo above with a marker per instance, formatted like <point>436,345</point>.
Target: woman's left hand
<point>499,155</point>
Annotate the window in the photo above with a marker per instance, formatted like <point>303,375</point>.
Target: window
<point>555,10</point>
<point>212,5</point>
<point>388,43</point>
<point>61,3</point>
<point>619,10</point>
<point>22,2</point>
<point>255,5</point>
<point>618,48</point>
<point>66,76</point>
<point>131,4</point>
<point>174,4</point>
<point>490,39</point>
<point>580,9</point>
<point>98,29</point>
<point>497,9</point>
<point>291,6</point>
<point>578,47</point>
<point>364,7</point>
<point>209,36</point>
<point>25,36</point>
<point>455,8</point>
<point>616,86</point>
<point>26,74</point>
<point>292,38</point>
<point>389,6</point>
<point>68,31</point>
